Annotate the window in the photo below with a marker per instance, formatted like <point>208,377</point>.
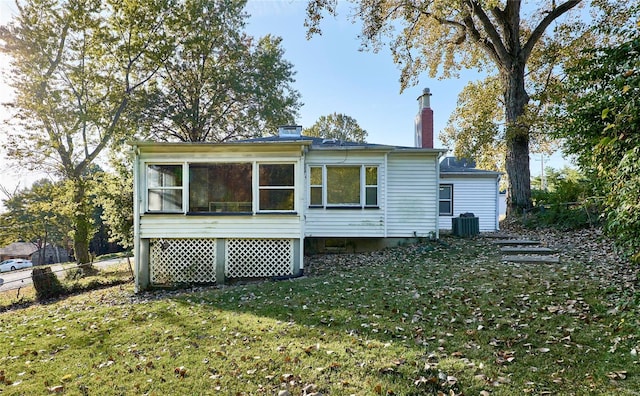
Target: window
<point>343,186</point>
<point>221,188</point>
<point>164,188</point>
<point>446,200</point>
<point>276,187</point>
<point>371,186</point>
<point>315,183</point>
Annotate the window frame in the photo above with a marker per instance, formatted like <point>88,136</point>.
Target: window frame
<point>449,200</point>
<point>148,187</point>
<point>364,187</point>
<point>185,188</point>
<point>259,188</point>
<point>251,211</point>
<point>320,186</point>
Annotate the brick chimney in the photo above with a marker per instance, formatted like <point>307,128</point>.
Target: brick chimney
<point>424,121</point>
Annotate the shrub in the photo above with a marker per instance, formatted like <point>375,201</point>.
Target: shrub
<point>46,284</point>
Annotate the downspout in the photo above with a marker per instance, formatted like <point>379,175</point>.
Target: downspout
<point>497,217</point>
<point>289,277</point>
<point>386,189</point>
<point>437,206</point>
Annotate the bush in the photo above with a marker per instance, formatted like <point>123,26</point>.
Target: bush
<point>566,204</point>
<point>46,284</point>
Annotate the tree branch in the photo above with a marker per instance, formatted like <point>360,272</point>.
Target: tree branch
<point>542,26</point>
<point>493,44</point>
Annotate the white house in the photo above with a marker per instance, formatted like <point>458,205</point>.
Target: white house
<point>465,189</point>
<point>207,213</point>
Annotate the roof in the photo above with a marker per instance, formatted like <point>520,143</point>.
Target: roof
<point>463,166</point>
<point>315,143</point>
<point>318,143</point>
<point>19,249</point>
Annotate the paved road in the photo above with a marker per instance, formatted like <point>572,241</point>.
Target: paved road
<point>21,278</point>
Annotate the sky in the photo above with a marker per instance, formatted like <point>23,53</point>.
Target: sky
<point>332,75</point>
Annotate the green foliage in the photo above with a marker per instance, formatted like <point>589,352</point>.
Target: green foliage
<point>75,68</point>
<point>337,126</point>
<point>600,121</point>
<point>218,84</point>
<point>115,197</point>
<point>567,202</point>
<point>473,128</point>
<point>37,214</point>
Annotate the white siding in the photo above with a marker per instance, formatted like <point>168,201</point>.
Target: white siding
<point>257,226</point>
<point>261,225</point>
<point>477,195</point>
<point>332,222</point>
<point>412,183</point>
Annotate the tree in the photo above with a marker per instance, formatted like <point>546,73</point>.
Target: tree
<point>474,126</point>
<point>76,66</point>
<point>599,122</point>
<point>337,126</point>
<point>35,215</point>
<point>115,197</point>
<point>442,36</point>
<point>220,84</point>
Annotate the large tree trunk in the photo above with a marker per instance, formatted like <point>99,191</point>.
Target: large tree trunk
<point>517,141</point>
<point>82,225</point>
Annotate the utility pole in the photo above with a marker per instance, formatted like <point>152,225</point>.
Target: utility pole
<point>543,181</point>
<point>543,184</point>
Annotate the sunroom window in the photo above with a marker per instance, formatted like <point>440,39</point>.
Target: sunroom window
<point>315,180</point>
<point>164,188</point>
<point>276,187</point>
<point>220,188</point>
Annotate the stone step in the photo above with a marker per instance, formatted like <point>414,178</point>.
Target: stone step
<point>497,235</point>
<point>527,250</point>
<point>516,242</point>
<point>532,259</point>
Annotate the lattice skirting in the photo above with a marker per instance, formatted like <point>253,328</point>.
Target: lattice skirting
<point>258,258</point>
<point>182,260</point>
<point>193,260</point>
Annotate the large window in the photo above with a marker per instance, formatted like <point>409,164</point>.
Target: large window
<point>221,188</point>
<point>276,186</point>
<point>446,200</point>
<point>164,188</point>
<point>343,186</point>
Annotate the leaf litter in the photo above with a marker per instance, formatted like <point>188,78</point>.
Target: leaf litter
<point>437,317</point>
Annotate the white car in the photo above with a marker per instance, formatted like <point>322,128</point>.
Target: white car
<point>14,264</point>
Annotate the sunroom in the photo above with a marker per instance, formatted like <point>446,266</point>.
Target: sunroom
<point>210,212</point>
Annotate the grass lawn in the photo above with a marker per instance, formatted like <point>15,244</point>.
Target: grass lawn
<point>435,317</point>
